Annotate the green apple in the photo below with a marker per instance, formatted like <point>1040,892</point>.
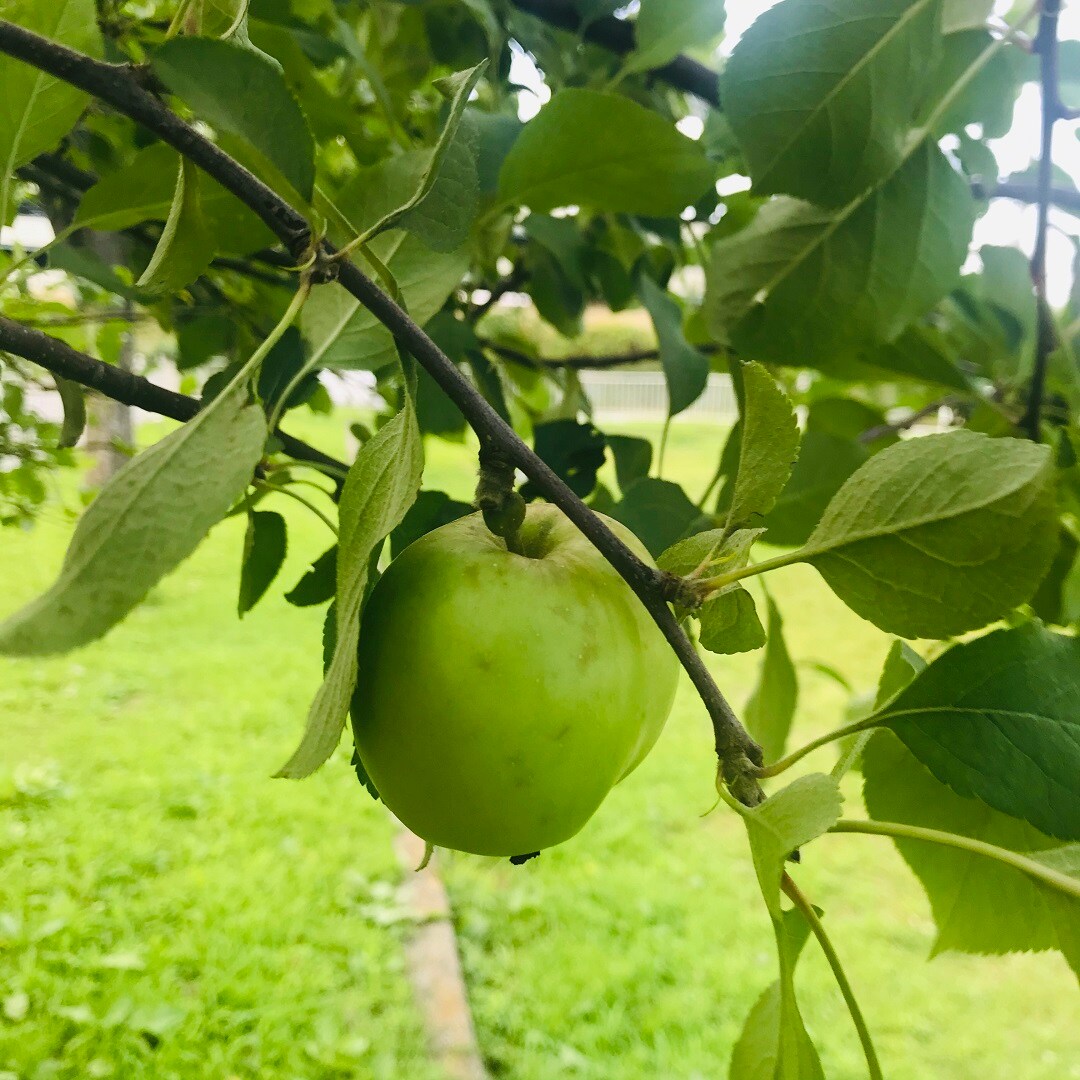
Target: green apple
<point>500,696</point>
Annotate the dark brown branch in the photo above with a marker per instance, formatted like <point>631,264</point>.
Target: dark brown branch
<point>119,87</point>
<point>585,361</point>
<point>511,283</point>
<point>882,430</point>
<point>617,36</point>
<point>61,359</point>
<point>255,273</point>
<point>1027,193</point>
<point>540,363</point>
<point>1046,46</point>
<point>57,166</point>
<point>81,318</point>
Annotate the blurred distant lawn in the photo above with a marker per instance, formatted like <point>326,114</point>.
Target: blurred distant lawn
<point>169,911</point>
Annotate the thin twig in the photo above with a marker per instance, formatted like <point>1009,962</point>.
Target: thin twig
<point>882,430</point>
<point>617,36</point>
<point>585,361</point>
<point>265,485</point>
<point>511,283</point>
<point>83,317</point>
<point>1026,864</point>
<point>118,86</point>
<point>800,901</point>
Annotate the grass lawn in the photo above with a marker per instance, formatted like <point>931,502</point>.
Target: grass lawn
<point>169,911</point>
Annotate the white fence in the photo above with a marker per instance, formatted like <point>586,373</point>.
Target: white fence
<point>642,395</point>
<point>617,395</point>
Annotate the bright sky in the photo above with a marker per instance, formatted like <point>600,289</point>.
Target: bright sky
<point>1006,223</point>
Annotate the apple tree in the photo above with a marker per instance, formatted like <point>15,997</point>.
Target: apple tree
<point>288,188</point>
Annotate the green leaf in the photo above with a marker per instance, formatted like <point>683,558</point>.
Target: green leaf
<point>381,486</point>
<point>821,94</point>
<point>282,364</point>
<point>318,583</point>
<point>940,535</point>
<point>556,297</point>
<point>564,240</point>
<point>81,263</point>
<point>204,336</point>
<point>771,708</point>
<point>143,191</point>
<point>436,413</point>
<point>686,369</point>
<point>1053,601</point>
<point>39,110</point>
<point>979,905</point>
<point>431,510</point>
<point>902,664</point>
<point>575,451</point>
<point>710,554</point>
<point>240,91</point>
<point>989,97</point>
<point>186,245</point>
<point>871,268</point>
<point>607,152</point>
<point>146,520</point>
<point>999,719</point>
<point>965,14</point>
<point>361,775</point>
<point>492,134</point>
<point>344,334</point>
<point>730,623</point>
<point>73,398</point>
<point>774,1042</point>
<point>443,216</point>
<point>920,352</point>
<point>825,461</point>
<point>264,551</point>
<point>658,512</point>
<point>633,458</point>
<point>786,821</point>
<point>304,75</point>
<point>665,28</point>
<point>443,204</point>
<point>768,448</point>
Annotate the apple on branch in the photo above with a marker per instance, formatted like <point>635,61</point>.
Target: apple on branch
<point>500,695</point>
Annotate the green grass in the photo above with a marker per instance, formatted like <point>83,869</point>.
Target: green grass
<point>167,910</point>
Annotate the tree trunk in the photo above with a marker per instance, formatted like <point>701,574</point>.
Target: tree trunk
<point>109,426</point>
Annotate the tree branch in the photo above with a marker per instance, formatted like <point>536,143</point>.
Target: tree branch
<point>118,86</point>
<point>617,36</point>
<point>82,318</point>
<point>1046,46</point>
<point>882,430</point>
<point>1027,193</point>
<point>584,361</point>
<point>516,278</point>
<point>61,359</point>
<point>540,363</point>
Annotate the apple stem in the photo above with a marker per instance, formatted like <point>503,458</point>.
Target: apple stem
<point>503,508</point>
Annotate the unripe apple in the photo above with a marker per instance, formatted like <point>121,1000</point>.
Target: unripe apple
<point>500,696</point>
